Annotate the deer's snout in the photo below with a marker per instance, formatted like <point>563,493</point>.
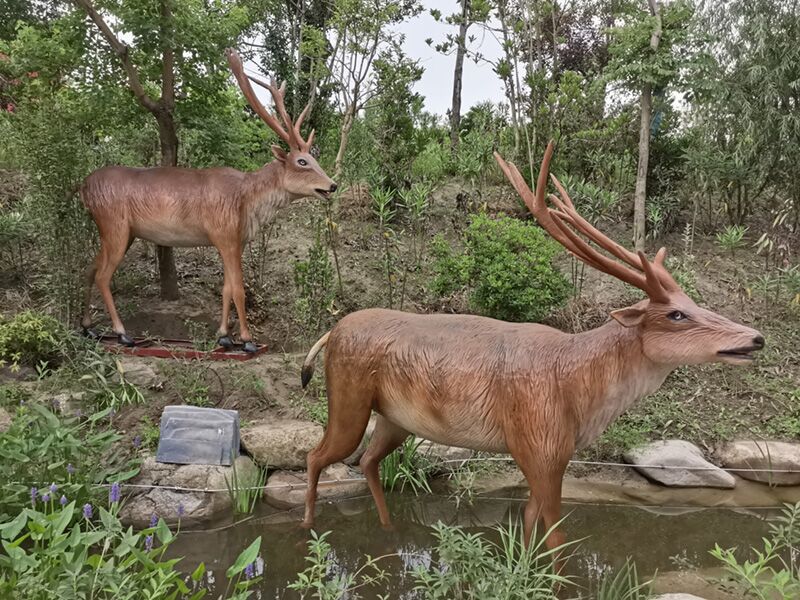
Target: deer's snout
<point>758,342</point>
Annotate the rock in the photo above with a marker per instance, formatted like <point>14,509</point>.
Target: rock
<point>197,505</point>
<point>286,489</point>
<point>281,443</point>
<point>678,453</point>
<point>195,435</point>
<point>69,404</point>
<point>5,420</point>
<point>444,458</point>
<point>677,597</point>
<point>769,456</point>
<point>18,373</point>
<point>136,372</point>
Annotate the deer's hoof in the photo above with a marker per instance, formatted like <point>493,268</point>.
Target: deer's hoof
<point>126,340</point>
<point>250,347</point>
<point>226,342</point>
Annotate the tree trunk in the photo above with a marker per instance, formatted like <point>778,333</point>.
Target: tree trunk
<point>167,272</point>
<point>458,74</point>
<point>639,222</point>
<point>347,125</point>
<point>639,208</point>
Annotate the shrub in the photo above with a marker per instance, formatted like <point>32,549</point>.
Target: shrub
<point>63,549</point>
<point>507,266</point>
<point>314,282</point>
<point>30,338</point>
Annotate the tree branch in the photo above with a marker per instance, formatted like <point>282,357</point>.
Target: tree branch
<point>122,51</point>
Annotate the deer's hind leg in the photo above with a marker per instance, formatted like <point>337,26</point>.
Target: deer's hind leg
<point>386,438</point>
<point>114,243</point>
<point>349,407</point>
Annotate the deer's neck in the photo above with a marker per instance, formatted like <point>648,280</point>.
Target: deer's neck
<point>263,195</point>
<point>615,375</point>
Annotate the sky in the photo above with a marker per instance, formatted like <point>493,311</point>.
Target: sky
<point>436,85</point>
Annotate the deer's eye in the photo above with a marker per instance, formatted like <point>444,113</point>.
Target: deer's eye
<point>677,315</point>
<point>302,162</point>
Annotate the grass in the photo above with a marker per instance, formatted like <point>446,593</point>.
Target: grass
<point>245,490</point>
<point>406,466</point>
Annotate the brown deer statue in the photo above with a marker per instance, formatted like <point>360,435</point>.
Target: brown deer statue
<point>221,207</point>
<point>520,388</point>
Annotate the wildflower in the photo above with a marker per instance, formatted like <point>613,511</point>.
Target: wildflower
<point>53,488</point>
<point>114,493</point>
<point>70,469</point>
<point>250,570</point>
<point>148,542</point>
<point>87,511</point>
<point>181,510</point>
<point>34,495</point>
<point>137,442</point>
<point>63,501</point>
<point>153,520</point>
<point>46,498</point>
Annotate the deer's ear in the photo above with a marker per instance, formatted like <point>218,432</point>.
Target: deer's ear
<point>279,153</point>
<point>630,316</point>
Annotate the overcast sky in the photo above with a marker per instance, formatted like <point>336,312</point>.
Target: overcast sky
<point>480,82</point>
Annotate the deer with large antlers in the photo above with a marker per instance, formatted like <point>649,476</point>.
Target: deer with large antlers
<point>221,207</point>
<point>522,388</point>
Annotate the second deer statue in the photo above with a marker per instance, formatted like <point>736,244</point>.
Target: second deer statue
<point>221,207</point>
<point>519,388</point>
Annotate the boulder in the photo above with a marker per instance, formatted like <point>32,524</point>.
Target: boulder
<point>444,458</point>
<point>5,420</point>
<point>769,457</point>
<point>281,443</point>
<point>197,506</point>
<point>286,489</point>
<point>698,472</point>
<point>136,372</point>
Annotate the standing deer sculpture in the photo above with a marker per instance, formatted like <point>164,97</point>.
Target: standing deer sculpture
<point>221,207</point>
<point>520,388</point>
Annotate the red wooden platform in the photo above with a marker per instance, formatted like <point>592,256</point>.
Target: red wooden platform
<point>164,348</point>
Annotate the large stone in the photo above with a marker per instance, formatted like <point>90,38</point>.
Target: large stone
<point>444,458</point>
<point>195,435</point>
<point>281,443</point>
<point>201,491</point>
<point>676,463</point>
<point>136,372</point>
<point>286,489</point>
<point>5,420</point>
<point>767,458</point>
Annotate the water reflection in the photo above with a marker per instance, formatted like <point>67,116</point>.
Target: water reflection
<point>662,540</point>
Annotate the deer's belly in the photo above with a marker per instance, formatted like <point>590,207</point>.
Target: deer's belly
<point>165,235</point>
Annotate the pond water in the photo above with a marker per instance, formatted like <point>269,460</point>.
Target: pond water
<point>657,539</point>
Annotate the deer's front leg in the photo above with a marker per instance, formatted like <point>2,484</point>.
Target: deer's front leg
<point>231,253</point>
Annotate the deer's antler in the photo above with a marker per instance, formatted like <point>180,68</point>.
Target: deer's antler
<point>566,225</point>
<point>291,132</point>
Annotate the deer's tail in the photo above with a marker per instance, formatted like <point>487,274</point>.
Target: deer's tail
<point>308,363</point>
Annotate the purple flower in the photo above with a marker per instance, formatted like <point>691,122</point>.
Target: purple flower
<point>114,493</point>
<point>181,510</point>
<point>46,498</point>
<point>87,511</point>
<point>250,570</point>
<point>53,488</point>
<point>63,501</point>
<point>153,520</point>
<point>137,442</point>
<point>148,542</point>
<point>70,469</point>
<point>34,495</point>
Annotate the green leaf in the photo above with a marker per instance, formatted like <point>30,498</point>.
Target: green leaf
<point>247,556</point>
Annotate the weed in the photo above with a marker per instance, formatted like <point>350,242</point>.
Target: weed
<point>406,466</point>
<point>313,279</point>
<point>245,490</point>
<point>30,338</point>
<point>730,238</point>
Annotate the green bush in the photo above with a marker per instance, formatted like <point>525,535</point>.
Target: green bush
<point>30,338</point>
<point>62,549</point>
<point>507,266</point>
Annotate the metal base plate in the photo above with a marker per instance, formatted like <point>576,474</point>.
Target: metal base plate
<point>166,348</point>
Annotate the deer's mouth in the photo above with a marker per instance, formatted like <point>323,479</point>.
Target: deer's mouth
<point>744,354</point>
<point>324,194</point>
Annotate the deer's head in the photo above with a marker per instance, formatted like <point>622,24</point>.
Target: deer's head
<point>302,175</point>
<point>673,330</point>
